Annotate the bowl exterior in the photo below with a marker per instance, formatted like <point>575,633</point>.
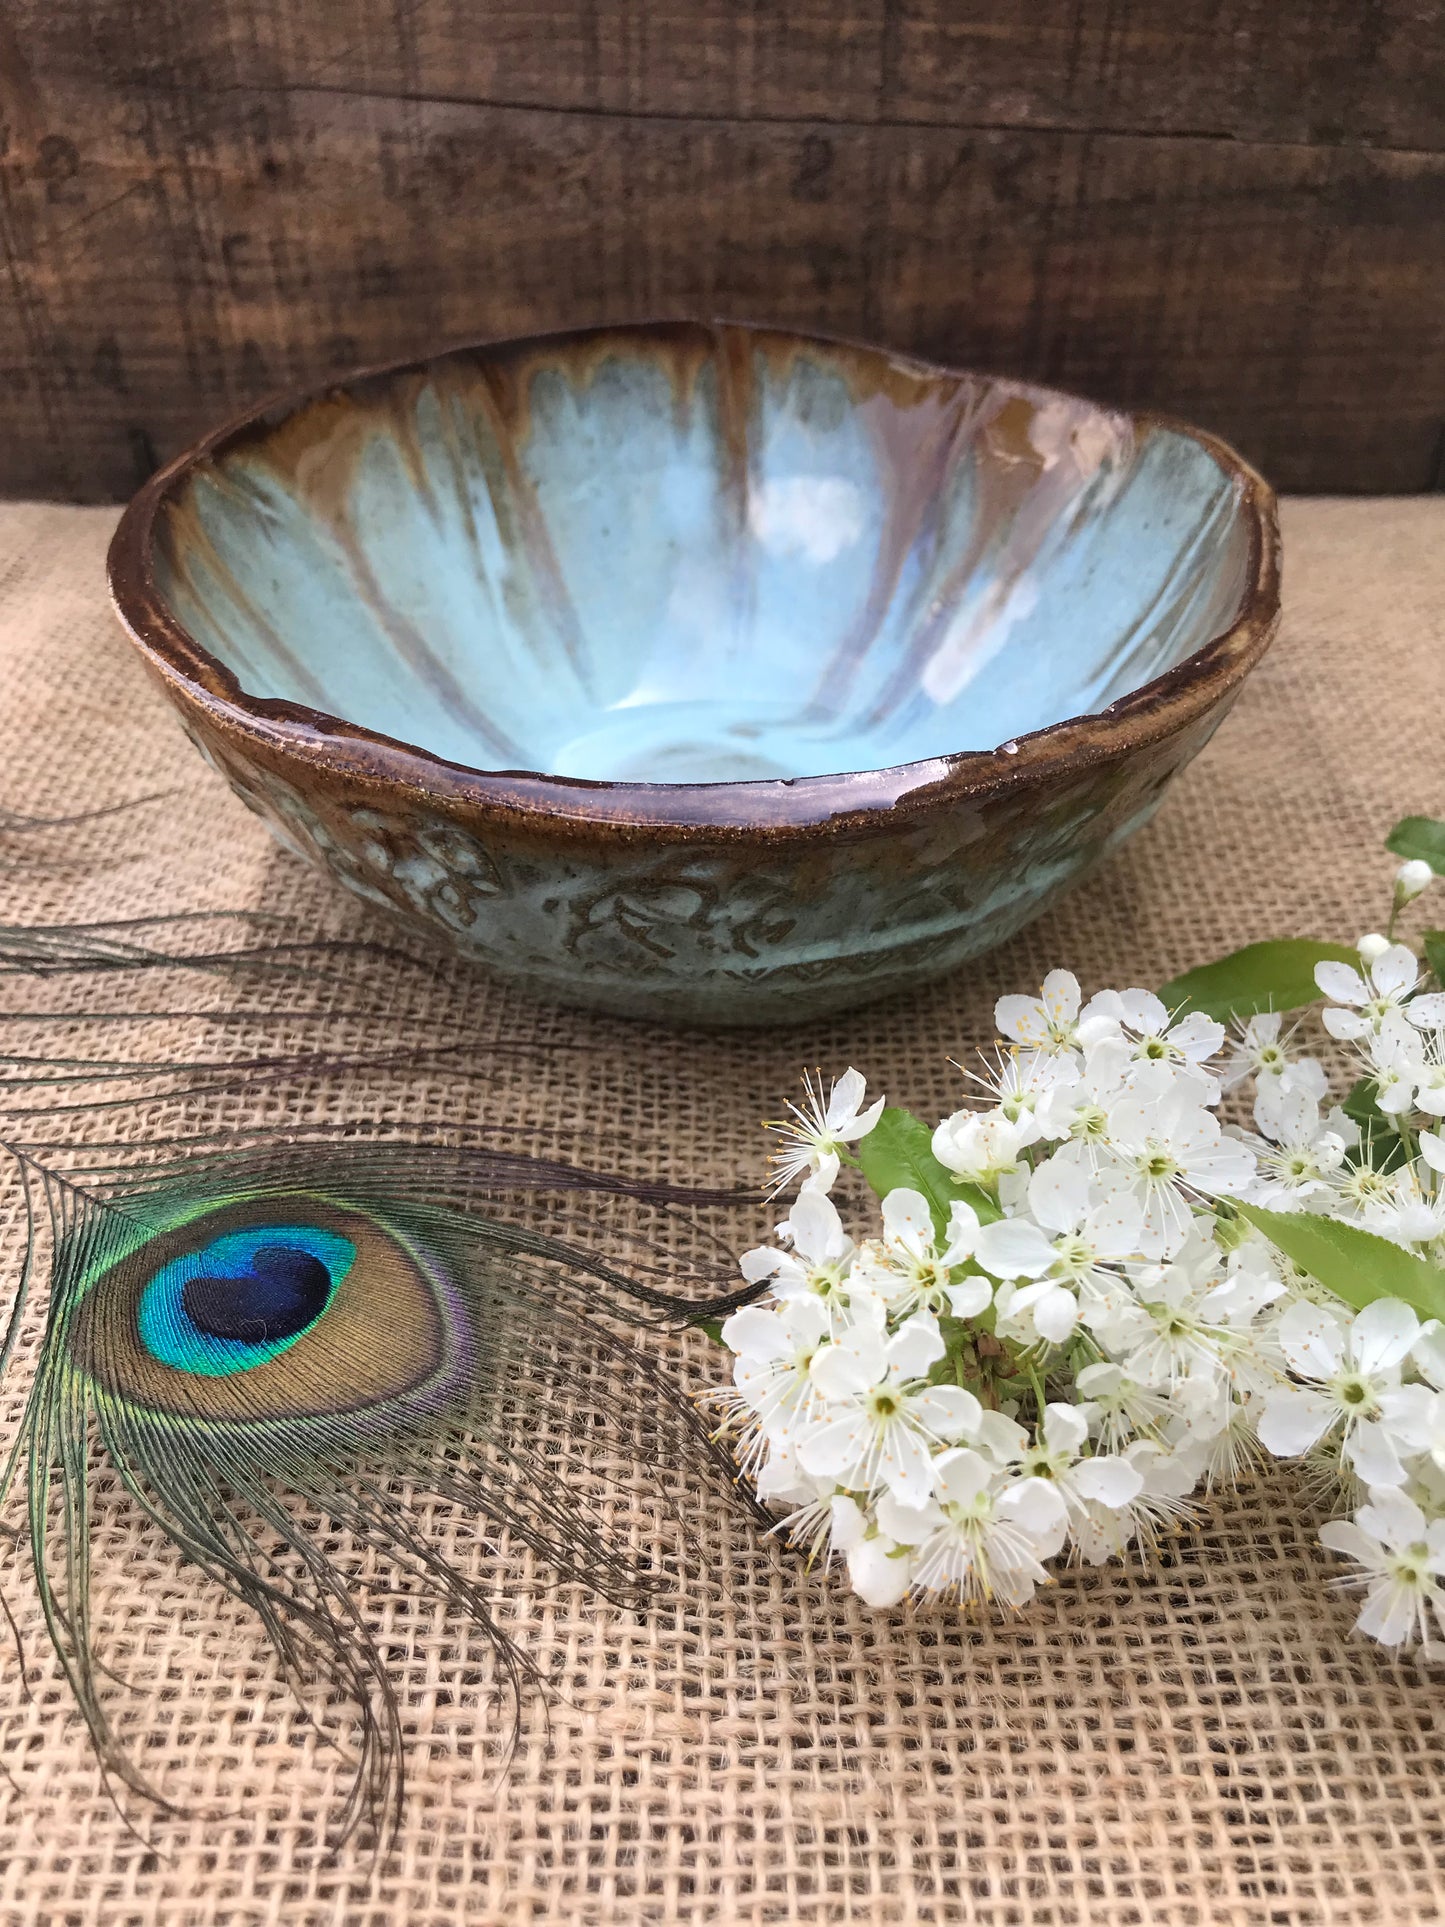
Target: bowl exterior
<point>770,928</point>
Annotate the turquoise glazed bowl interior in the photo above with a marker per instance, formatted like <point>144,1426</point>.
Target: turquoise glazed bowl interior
<point>579,647</point>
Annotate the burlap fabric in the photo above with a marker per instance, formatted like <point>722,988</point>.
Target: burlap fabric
<point>1202,1742</point>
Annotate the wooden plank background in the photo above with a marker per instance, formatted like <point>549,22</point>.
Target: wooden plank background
<point>1230,209</point>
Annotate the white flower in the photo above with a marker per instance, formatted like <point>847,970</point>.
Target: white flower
<point>1167,1344</point>
<point>1430,1076</point>
<point>1394,974</point>
<point>1160,1505</point>
<point>1141,1020</point>
<point>821,1129</point>
<point>1352,1387</point>
<point>1074,1233</point>
<point>1251,1281</point>
<point>1362,1187</point>
<point>1401,1558</point>
<point>1405,1204</point>
<point>986,1533</point>
<point>1406,1064</point>
<point>883,1421</point>
<point>825,1520</point>
<point>1182,1320</point>
<point>1167,1150</point>
<point>909,1272</point>
<point>1119,1406</point>
<point>1435,1450</point>
<point>1413,876</point>
<point>1260,1051</point>
<point>1282,1097</point>
<point>978,1146</point>
<point>1083,1483</point>
<point>782,1481</point>
<point>1079,1110</point>
<point>1394,1056</point>
<point>821,1257</point>
<point>1215,1432</point>
<point>1428,1352</point>
<point>1024,1084</point>
<point>880,1570</point>
<point>1042,1313</point>
<point>1048,1022</point>
<point>1299,1153</point>
<point>774,1386</point>
<point>1401,1209</point>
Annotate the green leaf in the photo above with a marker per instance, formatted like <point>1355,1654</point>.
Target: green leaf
<point>1355,1265</point>
<point>897,1154</point>
<point>713,1328</point>
<point>1435,953</point>
<point>1422,837</point>
<point>1262,976</point>
<point>1360,1104</point>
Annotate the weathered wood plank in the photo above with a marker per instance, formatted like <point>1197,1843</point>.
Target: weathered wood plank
<point>1317,71</point>
<point>172,256</point>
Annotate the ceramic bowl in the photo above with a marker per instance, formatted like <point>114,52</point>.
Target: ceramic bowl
<point>716,673</point>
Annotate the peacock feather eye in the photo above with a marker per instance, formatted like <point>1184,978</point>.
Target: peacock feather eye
<point>291,1307</point>
<point>263,1339</point>
<point>242,1298</point>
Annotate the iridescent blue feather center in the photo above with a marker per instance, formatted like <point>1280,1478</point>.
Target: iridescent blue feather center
<point>243,1298</point>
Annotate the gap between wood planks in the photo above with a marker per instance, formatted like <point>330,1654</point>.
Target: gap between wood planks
<point>801,123</point>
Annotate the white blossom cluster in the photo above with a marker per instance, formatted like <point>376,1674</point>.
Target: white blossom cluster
<point>1049,1365</point>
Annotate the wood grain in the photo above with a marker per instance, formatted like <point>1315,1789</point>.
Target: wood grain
<point>201,205</point>
<point>1317,71</point>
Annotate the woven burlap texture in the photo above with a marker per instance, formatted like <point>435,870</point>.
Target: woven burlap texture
<point>1203,1741</point>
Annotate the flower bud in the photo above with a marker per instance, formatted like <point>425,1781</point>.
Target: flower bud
<point>1373,947</point>
<point>1411,878</point>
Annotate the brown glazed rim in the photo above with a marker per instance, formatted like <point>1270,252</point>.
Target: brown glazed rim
<point>760,810</point>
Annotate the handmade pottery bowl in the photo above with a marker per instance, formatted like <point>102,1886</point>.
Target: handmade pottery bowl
<point>708,673</point>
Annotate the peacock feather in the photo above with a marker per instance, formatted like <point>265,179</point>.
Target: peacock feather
<point>26,841</point>
<point>285,1339</point>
